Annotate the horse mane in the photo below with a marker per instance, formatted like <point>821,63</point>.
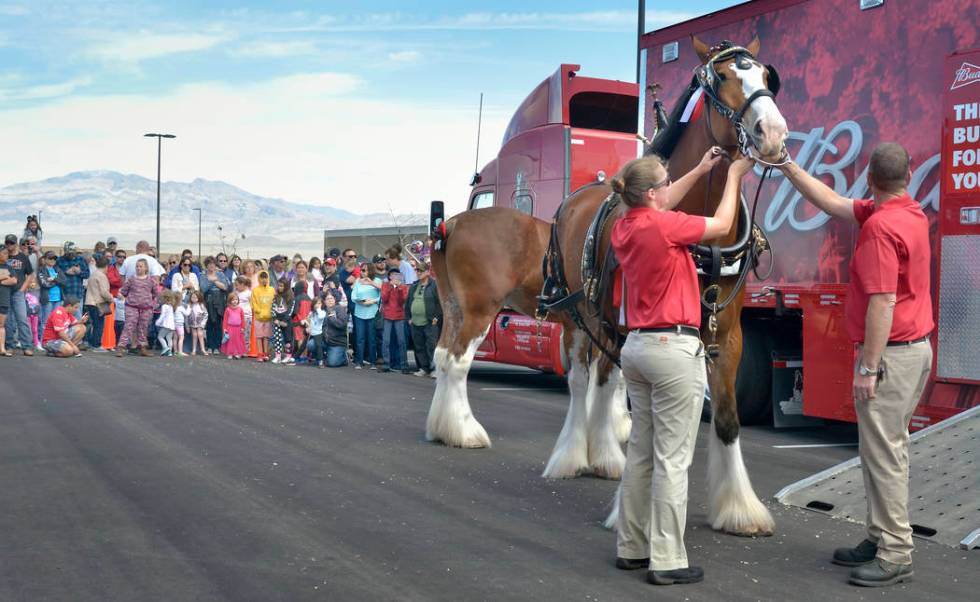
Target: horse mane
<point>667,138</point>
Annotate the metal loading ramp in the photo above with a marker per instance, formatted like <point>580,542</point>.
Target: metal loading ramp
<point>944,490</point>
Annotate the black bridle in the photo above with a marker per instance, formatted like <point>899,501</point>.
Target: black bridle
<point>708,79</point>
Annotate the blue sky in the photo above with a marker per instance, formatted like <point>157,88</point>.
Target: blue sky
<point>316,102</point>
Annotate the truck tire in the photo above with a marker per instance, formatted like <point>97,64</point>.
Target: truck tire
<point>753,383</point>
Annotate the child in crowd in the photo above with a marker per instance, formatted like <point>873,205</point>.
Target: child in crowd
<point>120,316</point>
<point>262,297</point>
<point>303,303</point>
<point>244,292</point>
<point>165,323</point>
<point>393,297</point>
<point>283,307</point>
<point>315,329</point>
<point>197,319</point>
<point>233,326</point>
<point>180,324</point>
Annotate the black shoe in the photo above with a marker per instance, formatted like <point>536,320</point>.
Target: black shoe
<point>863,553</point>
<point>386,370</point>
<point>406,371</point>
<point>692,574</point>
<point>881,573</point>
<point>632,564</point>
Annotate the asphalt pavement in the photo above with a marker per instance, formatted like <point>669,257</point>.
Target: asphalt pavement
<point>209,479</point>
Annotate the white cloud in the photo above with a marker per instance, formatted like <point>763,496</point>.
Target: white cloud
<point>43,91</point>
<point>312,137</point>
<point>405,56</point>
<point>134,47</point>
<point>276,49</point>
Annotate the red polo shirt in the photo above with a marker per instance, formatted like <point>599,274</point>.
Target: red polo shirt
<point>892,255</point>
<point>58,322</point>
<point>661,282</point>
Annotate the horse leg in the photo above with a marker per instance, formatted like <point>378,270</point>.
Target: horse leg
<point>570,456</point>
<point>622,423</point>
<point>450,418</point>
<point>733,506</point>
<point>606,420</point>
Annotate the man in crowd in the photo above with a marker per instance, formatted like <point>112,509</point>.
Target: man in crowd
<point>277,270</point>
<point>142,252</point>
<point>62,333</point>
<point>111,245</point>
<point>424,314</point>
<point>348,272</point>
<point>889,317</point>
<point>18,329</point>
<point>394,257</point>
<point>225,267</point>
<point>76,271</point>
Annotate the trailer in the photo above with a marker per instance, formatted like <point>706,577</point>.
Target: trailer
<point>854,73</point>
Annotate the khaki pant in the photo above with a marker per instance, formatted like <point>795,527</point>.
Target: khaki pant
<point>883,424</point>
<point>665,377</point>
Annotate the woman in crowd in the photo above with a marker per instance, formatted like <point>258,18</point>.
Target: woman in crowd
<point>314,329</point>
<point>394,293</point>
<point>262,298</point>
<point>233,327</point>
<point>250,271</point>
<point>283,307</point>
<point>302,304</point>
<point>98,301</point>
<point>197,319</point>
<point>366,295</point>
<point>215,287</point>
<point>140,292</point>
<point>235,263</point>
<point>185,281</point>
<point>301,273</point>
<point>33,228</point>
<point>51,279</point>
<point>171,266</point>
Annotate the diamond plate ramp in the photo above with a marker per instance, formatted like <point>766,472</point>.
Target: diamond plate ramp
<point>944,495</point>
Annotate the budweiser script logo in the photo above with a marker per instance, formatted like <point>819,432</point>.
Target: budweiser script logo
<point>816,154</point>
<point>967,74</point>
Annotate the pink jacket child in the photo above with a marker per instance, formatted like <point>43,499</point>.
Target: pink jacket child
<point>233,325</point>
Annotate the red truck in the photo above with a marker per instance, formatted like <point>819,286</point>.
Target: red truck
<point>854,73</point>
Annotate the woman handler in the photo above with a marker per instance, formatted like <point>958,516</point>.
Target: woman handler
<point>663,358</point>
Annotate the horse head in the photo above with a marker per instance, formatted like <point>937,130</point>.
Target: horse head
<point>742,90</point>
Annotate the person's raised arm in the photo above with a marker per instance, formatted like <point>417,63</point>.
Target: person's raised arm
<point>819,194</point>
<point>721,222</point>
<point>680,188</point>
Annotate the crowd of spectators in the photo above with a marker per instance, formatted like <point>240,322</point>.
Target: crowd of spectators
<point>343,310</point>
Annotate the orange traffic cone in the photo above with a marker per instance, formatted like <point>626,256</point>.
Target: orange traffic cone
<point>251,341</point>
<point>109,329</point>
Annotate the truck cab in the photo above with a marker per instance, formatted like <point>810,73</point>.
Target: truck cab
<point>569,132</point>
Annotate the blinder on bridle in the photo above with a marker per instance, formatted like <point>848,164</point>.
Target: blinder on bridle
<point>709,80</point>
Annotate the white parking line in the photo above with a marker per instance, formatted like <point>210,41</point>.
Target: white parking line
<point>815,445</point>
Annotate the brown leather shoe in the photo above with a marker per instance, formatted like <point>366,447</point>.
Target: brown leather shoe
<point>120,351</point>
<point>144,352</point>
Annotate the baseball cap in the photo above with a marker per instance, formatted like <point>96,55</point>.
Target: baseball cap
<point>394,271</point>
<point>10,239</point>
<point>276,258</point>
<point>377,258</point>
<point>26,239</point>
<point>50,255</point>
<point>334,252</point>
<point>111,241</point>
<point>330,261</point>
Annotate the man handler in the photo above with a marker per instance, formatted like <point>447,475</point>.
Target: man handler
<point>889,317</point>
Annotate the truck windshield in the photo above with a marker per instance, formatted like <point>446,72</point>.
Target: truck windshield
<point>603,111</point>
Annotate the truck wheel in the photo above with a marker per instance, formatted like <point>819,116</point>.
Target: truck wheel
<point>753,384</point>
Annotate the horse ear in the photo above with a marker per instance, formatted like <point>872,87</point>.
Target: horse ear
<point>704,53</point>
<point>753,46</point>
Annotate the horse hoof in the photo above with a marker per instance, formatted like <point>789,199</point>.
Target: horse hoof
<point>612,473</point>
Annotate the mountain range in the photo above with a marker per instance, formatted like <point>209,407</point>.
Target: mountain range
<point>91,205</point>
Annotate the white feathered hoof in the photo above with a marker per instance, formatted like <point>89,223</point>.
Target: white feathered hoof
<point>733,506</point>
<point>606,457</point>
<point>468,434</point>
<point>451,420</point>
<point>569,459</point>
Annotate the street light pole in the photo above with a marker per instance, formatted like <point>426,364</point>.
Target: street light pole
<point>200,215</point>
<point>159,138</point>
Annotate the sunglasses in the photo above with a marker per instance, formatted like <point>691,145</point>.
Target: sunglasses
<point>350,256</point>
<point>185,265</point>
<point>222,261</point>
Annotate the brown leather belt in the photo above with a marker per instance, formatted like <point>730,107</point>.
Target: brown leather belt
<point>900,343</point>
<point>678,329</point>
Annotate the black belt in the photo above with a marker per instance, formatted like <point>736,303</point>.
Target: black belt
<point>679,329</point>
<point>900,343</point>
